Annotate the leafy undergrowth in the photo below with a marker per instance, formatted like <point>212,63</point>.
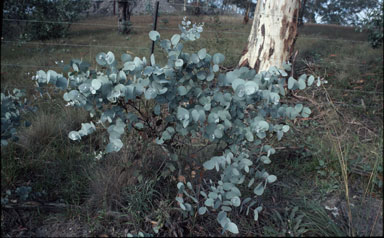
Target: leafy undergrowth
<point>329,167</point>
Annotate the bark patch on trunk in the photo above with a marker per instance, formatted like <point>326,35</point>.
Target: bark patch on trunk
<point>273,34</point>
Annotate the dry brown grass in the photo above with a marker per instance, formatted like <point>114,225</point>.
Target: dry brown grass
<point>48,127</point>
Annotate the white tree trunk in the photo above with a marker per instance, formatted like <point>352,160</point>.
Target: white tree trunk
<point>273,34</point>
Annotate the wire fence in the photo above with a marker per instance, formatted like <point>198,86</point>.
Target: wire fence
<point>177,29</point>
<point>227,32</point>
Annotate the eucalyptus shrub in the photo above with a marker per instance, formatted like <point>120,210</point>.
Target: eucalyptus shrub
<point>11,108</point>
<point>189,98</point>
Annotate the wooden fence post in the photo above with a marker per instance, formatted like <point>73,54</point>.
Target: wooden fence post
<point>155,24</point>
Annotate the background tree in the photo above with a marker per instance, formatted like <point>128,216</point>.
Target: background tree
<point>273,34</point>
<point>373,22</point>
<point>125,8</point>
<point>337,11</point>
<point>39,19</point>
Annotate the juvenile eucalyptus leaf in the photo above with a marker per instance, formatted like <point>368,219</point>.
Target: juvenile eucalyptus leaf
<point>209,165</point>
<point>301,84</point>
<point>215,68</point>
<point>306,112</point>
<point>271,178</point>
<point>256,215</point>
<point>202,210</point>
<point>291,82</point>
<point>182,90</point>
<point>175,39</point>
<point>74,135</point>
<point>285,128</point>
<point>232,227</point>
<point>218,58</point>
<point>311,79</point>
<point>259,189</point>
<point>179,63</point>
<point>202,53</point>
<point>154,35</point>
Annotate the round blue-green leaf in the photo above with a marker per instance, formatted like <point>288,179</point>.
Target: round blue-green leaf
<point>195,58</point>
<point>208,165</point>
<point>110,57</point>
<point>148,70</point>
<point>62,83</point>
<point>298,108</point>
<point>215,68</point>
<point>175,39</point>
<point>180,186</point>
<point>218,133</point>
<point>251,87</point>
<point>264,125</point>
<point>150,93</point>
<point>236,201</point>
<point>122,75</point>
<point>130,65</point>
<point>285,128</point>
<point>302,84</point>
<point>265,159</point>
<point>100,58</point>
<point>249,136</point>
<point>182,90</point>
<point>221,216</point>
<point>126,57</point>
<point>74,135</point>
<point>96,84</point>
<point>156,109</point>
<point>291,82</point>
<point>202,53</point>
<point>256,215</point>
<point>259,190</point>
<point>210,77</point>
<point>179,63</point>
<point>114,145</point>
<point>303,76</point>
<point>182,113</point>
<point>237,82</point>
<point>218,58</point>
<point>240,91</point>
<point>209,202</point>
<point>226,208</point>
<point>271,178</point>
<point>232,227</point>
<point>153,62</point>
<point>154,35</point>
<point>41,76</point>
<point>195,115</point>
<point>51,76</point>
<point>311,79</point>
<point>202,210</point>
<point>306,112</point>
<point>318,82</point>
<point>201,75</point>
<point>179,199</point>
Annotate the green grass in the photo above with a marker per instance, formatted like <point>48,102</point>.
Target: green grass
<point>336,155</point>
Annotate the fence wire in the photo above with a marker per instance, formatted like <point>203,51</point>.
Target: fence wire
<point>177,29</point>
<point>90,46</point>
